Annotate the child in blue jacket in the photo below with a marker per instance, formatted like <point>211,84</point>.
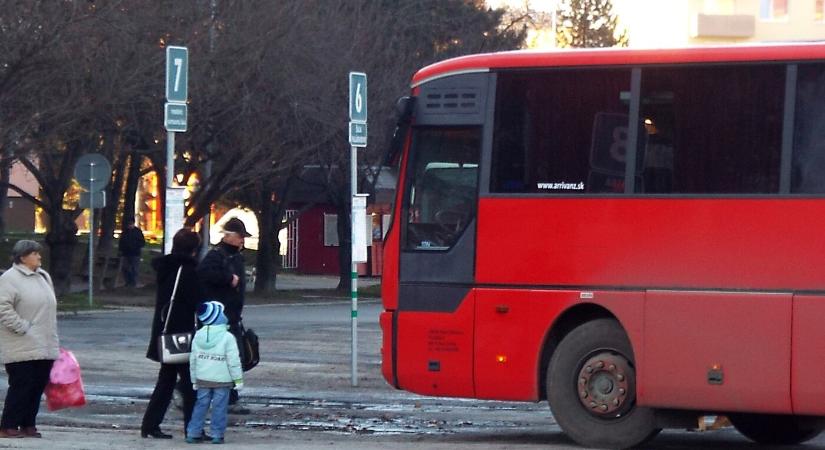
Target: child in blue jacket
<point>215,368</point>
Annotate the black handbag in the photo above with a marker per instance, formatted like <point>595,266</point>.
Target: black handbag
<point>174,348</point>
<point>250,354</point>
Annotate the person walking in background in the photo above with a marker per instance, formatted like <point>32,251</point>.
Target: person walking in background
<point>131,242</point>
<point>188,297</point>
<point>215,369</point>
<point>28,338</point>
<point>223,276</point>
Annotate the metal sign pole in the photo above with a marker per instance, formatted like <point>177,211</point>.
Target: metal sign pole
<point>93,172</point>
<point>357,138</point>
<point>354,268</point>
<point>91,232</point>
<point>170,178</point>
<point>175,118</point>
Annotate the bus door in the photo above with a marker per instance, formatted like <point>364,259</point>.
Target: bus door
<point>434,326</point>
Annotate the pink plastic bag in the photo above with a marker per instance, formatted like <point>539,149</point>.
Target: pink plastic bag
<point>65,369</point>
<point>65,388</point>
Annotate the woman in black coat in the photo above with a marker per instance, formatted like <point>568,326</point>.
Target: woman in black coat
<point>188,297</point>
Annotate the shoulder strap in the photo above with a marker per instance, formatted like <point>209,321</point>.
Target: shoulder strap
<point>172,300</point>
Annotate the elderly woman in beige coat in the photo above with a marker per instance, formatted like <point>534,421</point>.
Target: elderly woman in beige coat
<point>28,338</point>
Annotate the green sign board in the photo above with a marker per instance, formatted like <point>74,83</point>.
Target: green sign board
<point>92,171</point>
<point>177,74</point>
<point>175,117</point>
<point>358,97</point>
<point>357,134</point>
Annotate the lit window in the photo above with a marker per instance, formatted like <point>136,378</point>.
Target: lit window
<point>775,9</point>
<point>819,11</point>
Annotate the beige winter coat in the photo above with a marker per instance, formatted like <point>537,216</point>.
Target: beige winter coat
<point>28,315</point>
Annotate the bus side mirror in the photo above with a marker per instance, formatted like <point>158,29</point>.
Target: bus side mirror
<point>403,106</point>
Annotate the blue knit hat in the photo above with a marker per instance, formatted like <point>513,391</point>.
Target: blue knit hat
<point>209,313</point>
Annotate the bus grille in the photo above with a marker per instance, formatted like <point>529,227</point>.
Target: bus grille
<point>451,102</point>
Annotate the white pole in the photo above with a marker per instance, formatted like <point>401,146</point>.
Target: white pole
<point>170,177</point>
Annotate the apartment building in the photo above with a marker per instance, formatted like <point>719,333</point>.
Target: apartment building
<point>680,23</point>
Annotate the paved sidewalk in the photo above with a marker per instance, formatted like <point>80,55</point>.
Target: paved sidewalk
<point>299,281</point>
<point>284,281</point>
<point>259,438</point>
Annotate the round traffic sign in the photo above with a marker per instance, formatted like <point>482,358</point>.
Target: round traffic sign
<point>93,171</point>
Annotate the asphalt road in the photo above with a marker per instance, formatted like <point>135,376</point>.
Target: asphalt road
<point>300,396</point>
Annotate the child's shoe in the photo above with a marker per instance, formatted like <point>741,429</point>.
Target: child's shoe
<point>217,440</point>
<point>194,440</point>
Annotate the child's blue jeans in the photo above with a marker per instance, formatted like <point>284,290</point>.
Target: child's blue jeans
<point>219,398</point>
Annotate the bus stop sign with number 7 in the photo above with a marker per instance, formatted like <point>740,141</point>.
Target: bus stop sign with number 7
<point>177,74</point>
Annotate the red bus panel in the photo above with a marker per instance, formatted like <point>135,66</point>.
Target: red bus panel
<point>717,351</point>
<point>512,326</point>
<point>621,57</point>
<point>755,244</point>
<point>510,329</point>
<point>435,351</point>
<point>385,320</point>
<point>808,365</point>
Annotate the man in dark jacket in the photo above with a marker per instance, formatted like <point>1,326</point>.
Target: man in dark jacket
<point>131,241</point>
<point>222,273</point>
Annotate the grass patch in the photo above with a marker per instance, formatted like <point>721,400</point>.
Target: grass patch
<point>77,302</point>
<point>303,295</point>
<point>295,295</point>
<point>370,291</point>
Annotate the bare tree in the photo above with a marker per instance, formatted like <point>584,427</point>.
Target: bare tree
<point>267,95</point>
<point>588,23</point>
<point>388,41</point>
<point>30,32</point>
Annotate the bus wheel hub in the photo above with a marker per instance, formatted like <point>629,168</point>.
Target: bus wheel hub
<point>603,384</point>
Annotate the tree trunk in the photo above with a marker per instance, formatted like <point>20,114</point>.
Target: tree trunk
<point>132,179</point>
<point>108,216</point>
<point>264,266</point>
<point>61,240</point>
<point>5,175</point>
<point>345,241</point>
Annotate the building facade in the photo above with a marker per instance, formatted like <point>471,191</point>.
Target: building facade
<point>20,212</point>
<point>681,23</point>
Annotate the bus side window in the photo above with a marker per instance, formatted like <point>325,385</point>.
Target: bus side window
<point>554,132</point>
<point>809,133</point>
<point>727,143</point>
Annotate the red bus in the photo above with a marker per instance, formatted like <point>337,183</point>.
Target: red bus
<point>635,236</point>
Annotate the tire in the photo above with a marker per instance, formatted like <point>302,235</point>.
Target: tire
<point>594,364</point>
<point>776,429</point>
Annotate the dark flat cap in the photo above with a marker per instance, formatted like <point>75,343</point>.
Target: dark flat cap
<point>236,226</point>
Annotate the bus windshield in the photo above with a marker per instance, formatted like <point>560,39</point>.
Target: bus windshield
<point>442,190</point>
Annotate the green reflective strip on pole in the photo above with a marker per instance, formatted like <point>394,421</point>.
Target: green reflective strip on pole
<point>353,293</point>
<point>355,314</point>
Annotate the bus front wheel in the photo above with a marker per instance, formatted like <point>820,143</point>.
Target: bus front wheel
<point>591,388</point>
<point>776,429</point>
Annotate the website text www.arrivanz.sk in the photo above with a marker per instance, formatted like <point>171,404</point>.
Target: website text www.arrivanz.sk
<point>562,186</point>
